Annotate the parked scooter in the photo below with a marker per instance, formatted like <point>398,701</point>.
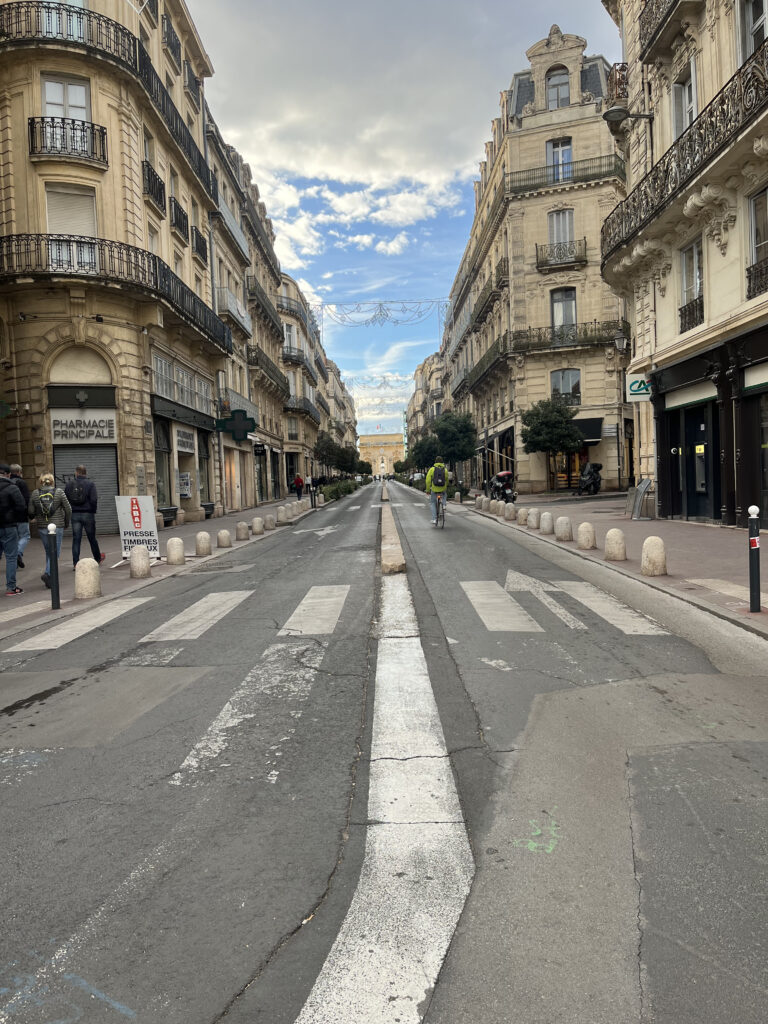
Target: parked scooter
<point>590,479</point>
<point>502,488</point>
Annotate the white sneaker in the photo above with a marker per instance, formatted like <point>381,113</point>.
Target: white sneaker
<point>434,522</point>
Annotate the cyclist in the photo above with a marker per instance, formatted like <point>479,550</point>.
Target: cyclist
<point>437,484</point>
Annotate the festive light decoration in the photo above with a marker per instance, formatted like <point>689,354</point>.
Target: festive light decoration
<point>374,314</point>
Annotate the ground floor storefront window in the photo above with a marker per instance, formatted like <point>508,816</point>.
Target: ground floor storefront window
<point>163,463</point>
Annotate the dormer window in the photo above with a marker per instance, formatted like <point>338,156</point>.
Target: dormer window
<point>558,88</point>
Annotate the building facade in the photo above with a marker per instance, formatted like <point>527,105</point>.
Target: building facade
<point>382,451</point>
<point>688,248</point>
<point>530,317</point>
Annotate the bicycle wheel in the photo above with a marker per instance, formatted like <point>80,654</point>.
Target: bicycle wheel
<point>441,512</point>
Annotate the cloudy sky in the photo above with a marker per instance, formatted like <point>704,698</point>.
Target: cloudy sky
<point>364,124</point>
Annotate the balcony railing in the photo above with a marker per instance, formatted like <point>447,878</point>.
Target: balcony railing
<point>692,314</point>
<point>258,295</point>
<point>63,136</point>
<point>297,357</point>
<point>299,310</point>
<point>460,384</point>
<point>171,41</point>
<point>322,369</point>
<point>199,244</point>
<point>495,354</point>
<point>259,358</point>
<point>757,279</point>
<point>338,426</point>
<point>153,185</point>
<point>574,172</point>
<point>228,304</point>
<point>265,242</point>
<point>656,18</point>
<point>178,218</point>
<point>229,400</point>
<point>233,228</point>
<point>738,104</point>
<point>104,260</point>
<point>323,404</point>
<point>617,85</point>
<point>191,84</point>
<point>502,272</point>
<point>302,405</point>
<point>595,332</point>
<point>558,254</point>
<point>485,300</point>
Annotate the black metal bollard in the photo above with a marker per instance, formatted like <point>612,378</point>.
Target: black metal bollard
<point>53,559</point>
<point>312,497</point>
<point>754,558</point>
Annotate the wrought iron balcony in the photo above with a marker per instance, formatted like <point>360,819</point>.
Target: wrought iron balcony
<point>757,279</point>
<point>257,357</point>
<point>65,137</point>
<point>617,85</point>
<point>461,383</point>
<point>153,185</point>
<point>258,295</point>
<point>596,332</point>
<point>502,272</point>
<point>559,254</point>
<point>191,84</point>
<point>322,369</point>
<point>264,241</point>
<point>298,309</point>
<point>495,355</point>
<point>46,256</point>
<point>338,426</point>
<point>659,23</point>
<point>178,218</point>
<point>228,305</point>
<point>692,314</point>
<point>323,404</point>
<point>229,400</point>
<point>171,41</point>
<point>575,172</point>
<point>199,244</point>
<point>302,405</point>
<point>485,300</point>
<point>233,228</point>
<point>741,102</point>
<point>436,394</point>
<point>297,357</point>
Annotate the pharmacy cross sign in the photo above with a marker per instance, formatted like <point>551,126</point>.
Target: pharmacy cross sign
<point>239,424</point>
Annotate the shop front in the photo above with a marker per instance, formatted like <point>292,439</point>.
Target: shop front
<point>183,473</point>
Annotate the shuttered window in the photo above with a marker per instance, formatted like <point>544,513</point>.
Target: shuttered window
<point>71,210</point>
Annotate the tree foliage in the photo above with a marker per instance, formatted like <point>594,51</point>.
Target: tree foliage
<point>400,466</point>
<point>548,427</point>
<point>335,456</point>
<point>424,452</point>
<point>457,437</point>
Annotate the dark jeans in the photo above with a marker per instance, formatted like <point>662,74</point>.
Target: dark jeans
<point>84,521</point>
<point>298,493</point>
<point>9,546</point>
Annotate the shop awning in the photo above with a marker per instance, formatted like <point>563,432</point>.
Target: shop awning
<point>590,429</point>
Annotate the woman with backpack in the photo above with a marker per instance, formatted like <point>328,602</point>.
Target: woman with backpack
<point>48,504</point>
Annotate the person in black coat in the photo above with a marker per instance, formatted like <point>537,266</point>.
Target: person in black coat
<point>82,496</point>
<point>23,528</point>
<point>12,512</point>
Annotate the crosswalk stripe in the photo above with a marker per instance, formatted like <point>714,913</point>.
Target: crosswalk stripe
<point>26,609</point>
<point>499,611</point>
<point>611,609</point>
<point>76,627</point>
<point>318,613</point>
<point>517,582</point>
<point>199,617</point>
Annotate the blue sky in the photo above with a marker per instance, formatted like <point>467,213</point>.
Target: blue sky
<point>364,125</point>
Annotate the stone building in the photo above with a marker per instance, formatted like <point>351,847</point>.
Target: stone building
<point>300,354</point>
<point>688,249</point>
<point>428,399</point>
<point>382,451</point>
<point>529,315</point>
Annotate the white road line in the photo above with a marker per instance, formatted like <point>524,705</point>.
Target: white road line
<point>517,582</point>
<point>318,613</point>
<point>27,609</point>
<point>612,610</point>
<point>499,612</point>
<point>199,617</point>
<point>417,869</point>
<point>729,589</point>
<point>286,671</point>
<point>353,508</point>
<point>79,625</point>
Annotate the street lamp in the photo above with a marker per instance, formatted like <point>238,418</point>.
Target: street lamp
<point>621,341</point>
<point>618,114</point>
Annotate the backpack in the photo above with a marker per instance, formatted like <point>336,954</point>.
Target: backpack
<point>438,477</point>
<point>76,493</point>
<point>46,499</point>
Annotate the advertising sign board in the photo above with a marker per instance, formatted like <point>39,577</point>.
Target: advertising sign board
<point>136,523</point>
<point>638,387</point>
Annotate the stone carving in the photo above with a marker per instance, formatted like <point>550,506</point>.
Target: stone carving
<point>713,206</point>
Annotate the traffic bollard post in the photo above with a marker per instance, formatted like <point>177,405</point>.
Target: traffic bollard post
<point>754,558</point>
<point>53,559</point>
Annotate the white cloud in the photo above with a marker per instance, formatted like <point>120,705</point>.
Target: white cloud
<point>395,246</point>
<point>360,242</point>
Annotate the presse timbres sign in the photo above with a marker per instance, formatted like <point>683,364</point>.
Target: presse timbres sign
<point>638,387</point>
<point>136,523</point>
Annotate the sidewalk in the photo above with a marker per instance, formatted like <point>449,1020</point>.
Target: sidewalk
<point>706,565</point>
<point>34,605</point>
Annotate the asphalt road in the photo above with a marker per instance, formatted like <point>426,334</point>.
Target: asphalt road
<point>196,794</point>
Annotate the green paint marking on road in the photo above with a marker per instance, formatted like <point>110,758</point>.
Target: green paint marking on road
<point>543,837</point>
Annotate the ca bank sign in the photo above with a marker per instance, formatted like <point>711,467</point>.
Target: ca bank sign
<point>638,387</point>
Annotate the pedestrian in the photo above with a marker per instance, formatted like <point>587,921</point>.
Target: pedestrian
<point>11,514</point>
<point>82,496</point>
<point>49,504</point>
<point>24,535</point>
<point>298,483</point>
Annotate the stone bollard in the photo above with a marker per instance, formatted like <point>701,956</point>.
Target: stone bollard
<point>615,546</point>
<point>457,497</point>
<point>282,518</point>
<point>563,529</point>
<point>320,499</point>
<point>501,510</point>
<point>174,551</point>
<point>242,532</point>
<point>510,513</point>
<point>202,544</point>
<point>653,561</point>
<point>269,522</point>
<point>140,567</point>
<point>479,501</point>
<point>224,539</point>
<point>486,504</point>
<point>522,516</point>
<point>534,518</point>
<point>88,578</point>
<point>493,506</point>
<point>585,537</point>
<point>547,524</point>
<point>257,526</point>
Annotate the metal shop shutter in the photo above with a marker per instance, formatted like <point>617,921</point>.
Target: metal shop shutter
<point>101,462</point>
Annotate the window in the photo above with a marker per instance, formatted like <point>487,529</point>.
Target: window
<point>164,384</point>
<point>566,384</point>
<point>684,99</point>
<point>154,239</point>
<point>178,264</point>
<point>198,286</point>
<point>291,375</point>
<point>760,227</point>
<point>66,97</point>
<point>292,426</point>
<point>558,89</point>
<point>690,267</point>
<point>186,383</point>
<point>560,226</point>
<point>564,311</point>
<point>71,211</point>
<point>194,214</point>
<point>560,159</point>
<point>149,145</point>
<point>289,333</point>
<point>755,21</point>
<point>203,389</point>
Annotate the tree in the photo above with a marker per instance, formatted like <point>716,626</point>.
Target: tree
<point>548,427</point>
<point>425,451</point>
<point>400,466</point>
<point>364,468</point>
<point>457,436</point>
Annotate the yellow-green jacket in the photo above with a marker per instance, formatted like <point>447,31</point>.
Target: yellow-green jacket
<point>435,488</point>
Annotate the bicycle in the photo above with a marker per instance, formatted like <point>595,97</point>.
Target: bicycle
<point>441,510</point>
